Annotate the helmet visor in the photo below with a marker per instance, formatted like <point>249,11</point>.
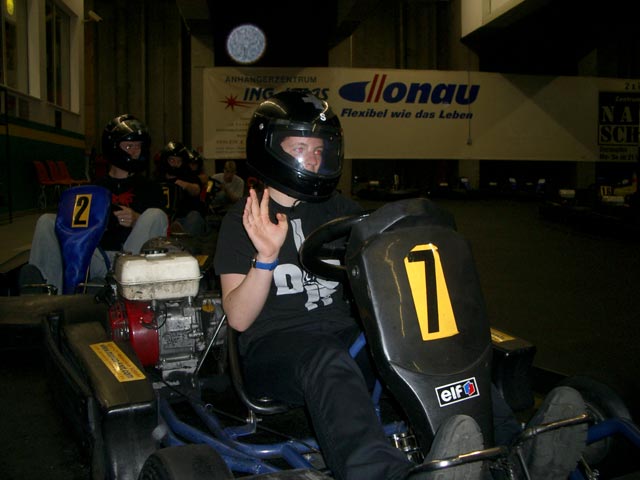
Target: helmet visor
<point>314,150</point>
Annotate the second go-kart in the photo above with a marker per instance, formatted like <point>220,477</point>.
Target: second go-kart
<point>147,384</point>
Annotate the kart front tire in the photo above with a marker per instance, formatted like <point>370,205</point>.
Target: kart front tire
<point>601,403</point>
<point>187,462</point>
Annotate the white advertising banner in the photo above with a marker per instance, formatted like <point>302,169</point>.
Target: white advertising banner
<point>433,114</point>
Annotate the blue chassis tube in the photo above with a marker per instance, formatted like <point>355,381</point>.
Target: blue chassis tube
<point>240,456</point>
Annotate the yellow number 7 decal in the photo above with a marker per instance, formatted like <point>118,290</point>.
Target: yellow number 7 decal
<point>430,293</point>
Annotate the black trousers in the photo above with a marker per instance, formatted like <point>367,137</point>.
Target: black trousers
<point>315,369</point>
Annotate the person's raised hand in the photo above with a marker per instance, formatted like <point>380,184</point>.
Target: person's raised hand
<point>267,236</point>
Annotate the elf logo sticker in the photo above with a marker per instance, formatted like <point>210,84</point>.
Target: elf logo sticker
<point>457,392</point>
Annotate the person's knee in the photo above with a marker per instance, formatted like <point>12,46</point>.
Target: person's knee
<point>195,216</point>
<point>154,214</point>
<point>44,235</point>
<point>46,222</point>
<point>156,218</point>
<point>327,359</point>
<point>194,223</point>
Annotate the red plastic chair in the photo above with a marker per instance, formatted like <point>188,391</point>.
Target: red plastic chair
<point>46,184</point>
<point>63,171</point>
<point>57,176</point>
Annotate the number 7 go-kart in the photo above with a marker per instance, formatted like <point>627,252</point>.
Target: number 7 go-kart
<point>154,386</point>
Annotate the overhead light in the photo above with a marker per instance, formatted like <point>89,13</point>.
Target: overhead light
<point>10,7</point>
<point>93,17</point>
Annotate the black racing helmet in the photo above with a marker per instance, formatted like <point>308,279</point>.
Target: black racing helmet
<point>297,114</point>
<point>195,158</point>
<point>126,128</point>
<point>174,149</point>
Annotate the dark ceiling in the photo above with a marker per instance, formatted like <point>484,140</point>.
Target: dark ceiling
<point>298,33</point>
<point>554,36</point>
<point>543,37</point>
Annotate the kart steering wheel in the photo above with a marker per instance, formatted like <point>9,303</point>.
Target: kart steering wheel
<point>316,247</point>
<point>213,187</point>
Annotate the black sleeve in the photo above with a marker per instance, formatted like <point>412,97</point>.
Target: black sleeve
<point>154,197</point>
<point>234,249</point>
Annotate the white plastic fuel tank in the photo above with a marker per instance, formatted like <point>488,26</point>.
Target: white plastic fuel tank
<point>157,276</point>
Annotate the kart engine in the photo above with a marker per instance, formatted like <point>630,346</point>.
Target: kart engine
<point>158,311</point>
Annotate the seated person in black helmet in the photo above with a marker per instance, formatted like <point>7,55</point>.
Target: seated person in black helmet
<point>197,166</point>
<point>181,187</point>
<point>136,207</point>
<point>297,328</point>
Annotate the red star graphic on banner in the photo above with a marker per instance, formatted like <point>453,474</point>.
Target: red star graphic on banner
<point>232,102</point>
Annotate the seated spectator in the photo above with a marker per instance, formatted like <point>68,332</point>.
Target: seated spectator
<point>182,189</point>
<point>229,186</point>
<point>136,209</point>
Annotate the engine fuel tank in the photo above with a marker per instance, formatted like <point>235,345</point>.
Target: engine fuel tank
<point>157,276</point>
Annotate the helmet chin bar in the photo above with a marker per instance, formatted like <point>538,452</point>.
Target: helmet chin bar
<point>297,186</point>
<point>129,164</point>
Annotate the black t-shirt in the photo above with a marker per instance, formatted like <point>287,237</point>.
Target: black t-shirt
<point>297,300</point>
<point>136,192</point>
<point>177,202</point>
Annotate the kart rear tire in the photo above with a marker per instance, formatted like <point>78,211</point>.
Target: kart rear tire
<point>602,403</point>
<point>187,462</point>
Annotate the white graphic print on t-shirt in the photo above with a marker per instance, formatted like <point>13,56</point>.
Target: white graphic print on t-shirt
<point>290,279</point>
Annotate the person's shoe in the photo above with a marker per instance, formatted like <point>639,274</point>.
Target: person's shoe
<point>177,229</point>
<point>457,435</point>
<point>31,281</point>
<point>555,454</point>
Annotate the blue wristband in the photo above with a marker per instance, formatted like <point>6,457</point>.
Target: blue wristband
<point>264,266</point>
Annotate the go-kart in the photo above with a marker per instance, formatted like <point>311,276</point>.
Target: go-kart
<point>154,388</point>
<point>601,208</point>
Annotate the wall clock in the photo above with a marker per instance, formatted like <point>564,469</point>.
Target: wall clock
<point>246,44</point>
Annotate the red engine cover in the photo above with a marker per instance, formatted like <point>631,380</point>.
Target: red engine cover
<point>135,322</point>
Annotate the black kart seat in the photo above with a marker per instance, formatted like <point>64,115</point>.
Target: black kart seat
<point>423,313</point>
<point>261,405</point>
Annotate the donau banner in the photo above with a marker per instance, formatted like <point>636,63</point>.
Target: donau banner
<point>434,114</point>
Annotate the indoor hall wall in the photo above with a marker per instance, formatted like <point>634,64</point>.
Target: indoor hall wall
<point>413,35</point>
<point>202,56</point>
<point>34,128</point>
<point>137,62</point>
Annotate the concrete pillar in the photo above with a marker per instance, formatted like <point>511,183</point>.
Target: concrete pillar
<point>345,180</point>
<point>471,170</point>
<point>585,174</point>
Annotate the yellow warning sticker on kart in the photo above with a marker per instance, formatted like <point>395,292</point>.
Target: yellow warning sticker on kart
<point>202,259</point>
<point>117,362</point>
<point>81,209</point>
<point>430,293</point>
